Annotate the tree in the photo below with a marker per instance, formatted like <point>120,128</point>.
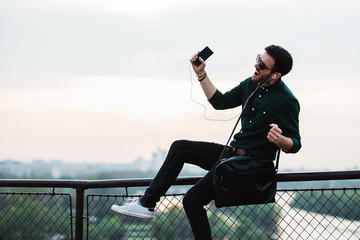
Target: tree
<point>245,222</point>
<point>106,228</point>
<point>172,224</point>
<point>29,217</point>
<point>337,202</point>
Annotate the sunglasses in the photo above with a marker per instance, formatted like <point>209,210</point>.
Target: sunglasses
<point>262,65</point>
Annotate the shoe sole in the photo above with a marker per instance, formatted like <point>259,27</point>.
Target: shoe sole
<point>131,214</point>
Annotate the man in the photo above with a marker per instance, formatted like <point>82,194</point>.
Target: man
<point>269,122</point>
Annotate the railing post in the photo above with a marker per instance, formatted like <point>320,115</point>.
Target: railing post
<point>79,222</point>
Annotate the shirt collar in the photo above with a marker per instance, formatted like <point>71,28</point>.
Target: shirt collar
<point>276,86</point>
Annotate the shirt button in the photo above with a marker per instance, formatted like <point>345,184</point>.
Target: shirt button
<point>253,109</point>
<point>259,95</point>
<point>263,112</point>
<point>250,121</point>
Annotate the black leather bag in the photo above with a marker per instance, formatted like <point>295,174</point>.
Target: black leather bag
<point>243,180</point>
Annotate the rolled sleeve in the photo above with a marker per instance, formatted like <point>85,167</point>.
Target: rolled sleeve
<point>288,121</point>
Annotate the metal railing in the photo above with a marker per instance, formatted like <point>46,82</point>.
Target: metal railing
<point>323,213</point>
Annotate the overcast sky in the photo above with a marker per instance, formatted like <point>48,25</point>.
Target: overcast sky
<point>109,81</point>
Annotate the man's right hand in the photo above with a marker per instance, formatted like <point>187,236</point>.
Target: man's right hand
<point>207,86</point>
<point>199,70</point>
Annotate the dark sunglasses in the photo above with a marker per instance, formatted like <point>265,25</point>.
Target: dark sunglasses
<point>262,65</point>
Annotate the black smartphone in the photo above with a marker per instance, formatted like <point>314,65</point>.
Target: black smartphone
<point>204,54</point>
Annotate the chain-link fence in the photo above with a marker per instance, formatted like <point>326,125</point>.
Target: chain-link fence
<point>297,214</point>
<point>320,214</point>
<point>38,216</point>
<point>331,213</point>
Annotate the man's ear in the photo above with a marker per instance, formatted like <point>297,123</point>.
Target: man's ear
<point>276,76</point>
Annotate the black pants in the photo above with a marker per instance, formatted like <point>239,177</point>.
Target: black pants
<point>202,154</point>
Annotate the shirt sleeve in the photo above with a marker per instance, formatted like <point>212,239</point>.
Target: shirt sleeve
<point>288,122</point>
<point>227,100</point>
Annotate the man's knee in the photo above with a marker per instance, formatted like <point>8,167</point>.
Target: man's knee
<point>187,203</point>
<point>191,207</point>
<point>179,144</point>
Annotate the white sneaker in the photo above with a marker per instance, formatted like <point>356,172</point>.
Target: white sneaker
<point>133,208</point>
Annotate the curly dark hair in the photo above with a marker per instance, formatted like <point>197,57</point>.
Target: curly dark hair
<point>283,59</point>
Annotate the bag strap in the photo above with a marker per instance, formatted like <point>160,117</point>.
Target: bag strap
<point>277,160</point>
<point>238,120</point>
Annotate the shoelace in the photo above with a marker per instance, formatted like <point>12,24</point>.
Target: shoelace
<point>131,200</point>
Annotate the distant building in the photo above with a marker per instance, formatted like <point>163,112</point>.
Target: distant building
<point>56,169</point>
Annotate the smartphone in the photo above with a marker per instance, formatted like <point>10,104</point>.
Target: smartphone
<point>204,54</point>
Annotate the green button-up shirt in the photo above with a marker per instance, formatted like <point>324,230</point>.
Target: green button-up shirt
<point>272,104</point>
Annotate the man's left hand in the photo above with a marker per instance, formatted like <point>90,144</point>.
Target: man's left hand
<point>275,136</point>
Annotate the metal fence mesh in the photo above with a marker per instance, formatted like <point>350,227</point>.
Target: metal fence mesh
<point>320,214</point>
<point>297,214</point>
<point>35,216</point>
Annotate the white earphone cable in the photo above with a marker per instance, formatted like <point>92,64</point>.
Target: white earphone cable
<point>205,109</point>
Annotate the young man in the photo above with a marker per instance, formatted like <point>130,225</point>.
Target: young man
<point>269,122</point>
